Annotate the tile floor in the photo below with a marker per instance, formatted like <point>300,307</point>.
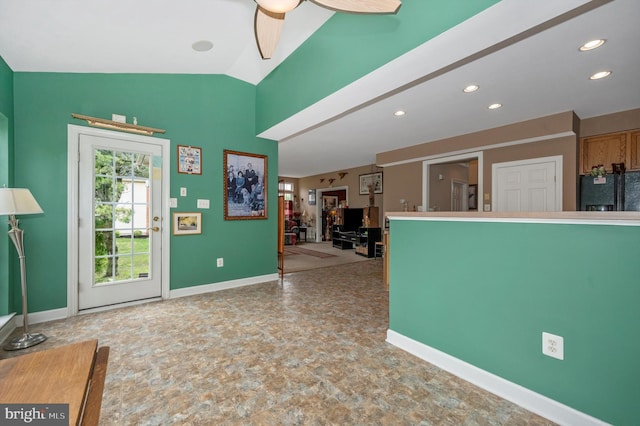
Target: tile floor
<point>308,351</point>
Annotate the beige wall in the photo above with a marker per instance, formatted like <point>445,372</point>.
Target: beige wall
<point>526,130</point>
<point>541,137</point>
<point>402,182</point>
<point>610,123</point>
<point>440,178</point>
<point>350,181</point>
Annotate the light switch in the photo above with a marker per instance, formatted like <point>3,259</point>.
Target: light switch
<point>173,203</point>
<point>203,204</point>
<point>183,192</point>
<point>487,207</point>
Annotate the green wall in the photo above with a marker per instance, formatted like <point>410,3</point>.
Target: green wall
<point>6,152</point>
<point>485,292</point>
<point>214,112</point>
<point>348,47</point>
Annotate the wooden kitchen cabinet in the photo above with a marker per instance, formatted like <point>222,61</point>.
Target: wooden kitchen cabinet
<point>604,149</point>
<point>634,144</point>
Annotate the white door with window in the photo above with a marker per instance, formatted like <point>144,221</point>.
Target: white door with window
<point>120,218</point>
<point>528,185</point>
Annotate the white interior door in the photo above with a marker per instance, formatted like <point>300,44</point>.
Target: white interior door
<point>529,185</point>
<point>119,221</point>
<point>459,196</point>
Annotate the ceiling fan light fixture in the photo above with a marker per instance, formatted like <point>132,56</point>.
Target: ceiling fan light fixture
<point>278,6</point>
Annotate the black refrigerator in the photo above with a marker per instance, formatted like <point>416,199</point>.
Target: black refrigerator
<point>619,192</point>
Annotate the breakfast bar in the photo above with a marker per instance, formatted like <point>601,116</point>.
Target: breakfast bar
<point>474,292</point>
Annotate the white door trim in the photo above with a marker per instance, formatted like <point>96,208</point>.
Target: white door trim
<point>557,159</point>
<point>449,159</point>
<point>73,138</point>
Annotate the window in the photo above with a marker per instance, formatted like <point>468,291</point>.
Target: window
<point>285,189</point>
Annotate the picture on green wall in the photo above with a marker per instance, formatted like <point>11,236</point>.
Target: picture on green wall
<point>245,186</point>
<point>187,223</point>
<point>189,160</point>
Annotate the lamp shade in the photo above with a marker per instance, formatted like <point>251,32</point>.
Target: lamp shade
<point>278,6</point>
<point>18,201</point>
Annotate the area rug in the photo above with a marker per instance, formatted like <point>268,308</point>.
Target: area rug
<point>292,250</point>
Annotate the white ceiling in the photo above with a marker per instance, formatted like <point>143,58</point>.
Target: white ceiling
<point>523,54</point>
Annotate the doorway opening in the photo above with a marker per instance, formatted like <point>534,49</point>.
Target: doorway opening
<point>327,201</point>
<point>452,183</point>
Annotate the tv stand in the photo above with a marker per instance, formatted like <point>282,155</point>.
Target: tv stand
<point>343,239</point>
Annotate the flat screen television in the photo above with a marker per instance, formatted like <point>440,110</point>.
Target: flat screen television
<point>352,220</point>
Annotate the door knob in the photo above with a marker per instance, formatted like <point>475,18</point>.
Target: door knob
<point>156,218</point>
<point>154,229</point>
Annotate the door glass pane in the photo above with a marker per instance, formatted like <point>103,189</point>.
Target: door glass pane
<point>122,217</point>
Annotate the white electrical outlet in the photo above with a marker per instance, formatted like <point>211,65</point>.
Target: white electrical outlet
<point>553,345</point>
<point>220,262</point>
<point>183,192</point>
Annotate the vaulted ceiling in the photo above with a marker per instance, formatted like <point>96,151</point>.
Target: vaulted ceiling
<point>523,55</point>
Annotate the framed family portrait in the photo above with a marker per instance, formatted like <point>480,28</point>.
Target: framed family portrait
<point>187,223</point>
<point>245,185</point>
<point>189,160</point>
<point>373,180</point>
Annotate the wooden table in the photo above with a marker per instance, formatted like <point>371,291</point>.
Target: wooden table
<point>65,375</point>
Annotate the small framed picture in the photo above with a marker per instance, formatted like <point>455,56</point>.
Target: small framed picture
<point>329,202</point>
<point>187,223</point>
<point>312,197</point>
<point>369,182</point>
<point>189,160</point>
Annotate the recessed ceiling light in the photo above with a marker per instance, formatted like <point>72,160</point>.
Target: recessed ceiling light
<point>399,113</point>
<point>494,106</point>
<point>599,75</point>
<point>593,44</point>
<point>471,88</point>
<point>202,46</point>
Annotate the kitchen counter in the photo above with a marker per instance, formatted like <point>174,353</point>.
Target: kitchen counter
<point>613,218</point>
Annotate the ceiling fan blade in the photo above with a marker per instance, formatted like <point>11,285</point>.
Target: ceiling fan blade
<point>360,6</point>
<point>267,26</point>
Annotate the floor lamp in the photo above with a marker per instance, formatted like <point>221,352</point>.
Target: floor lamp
<point>17,201</point>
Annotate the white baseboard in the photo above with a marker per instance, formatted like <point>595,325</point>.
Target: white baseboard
<point>208,288</point>
<point>528,399</point>
<point>7,325</point>
<point>61,313</point>
<point>43,316</point>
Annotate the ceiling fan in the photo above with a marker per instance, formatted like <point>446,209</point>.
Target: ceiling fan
<point>269,17</point>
